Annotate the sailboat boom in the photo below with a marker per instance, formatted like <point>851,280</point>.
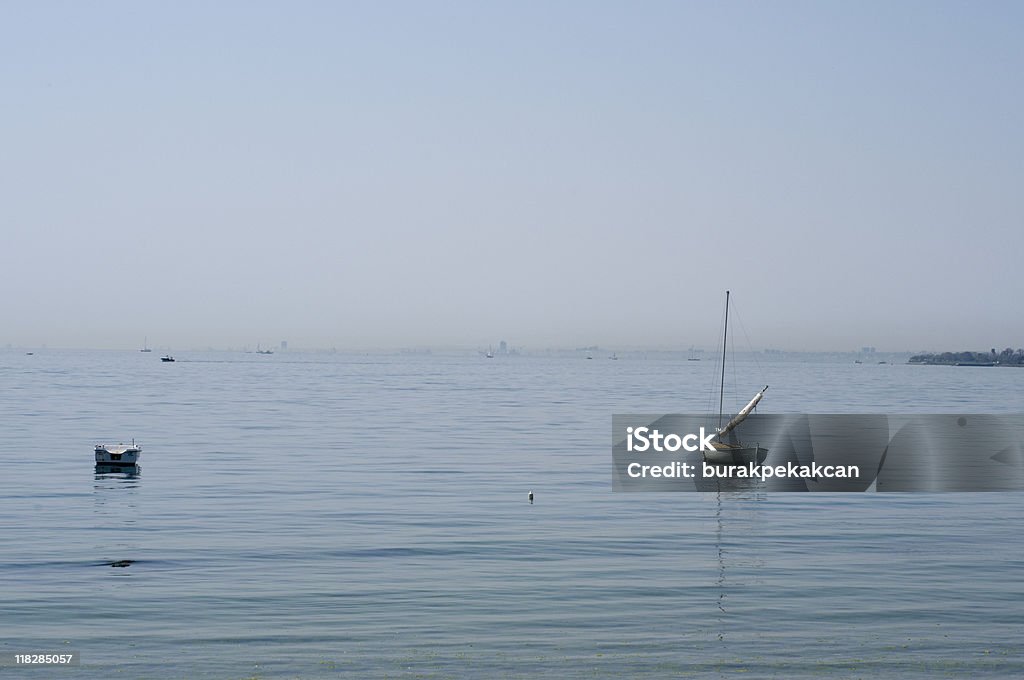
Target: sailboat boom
<point>742,415</point>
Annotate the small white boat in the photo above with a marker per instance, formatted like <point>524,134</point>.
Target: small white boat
<point>167,357</point>
<point>118,454</point>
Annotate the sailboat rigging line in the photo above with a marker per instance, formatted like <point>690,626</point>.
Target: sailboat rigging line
<point>750,346</point>
<point>735,373</point>
<point>713,376</point>
<point>725,340</point>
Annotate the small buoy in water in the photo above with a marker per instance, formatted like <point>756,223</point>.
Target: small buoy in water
<point>530,496</point>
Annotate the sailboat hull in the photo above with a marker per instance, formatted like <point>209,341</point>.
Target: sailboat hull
<point>732,454</point>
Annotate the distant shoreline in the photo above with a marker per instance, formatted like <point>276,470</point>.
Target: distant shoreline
<point>1008,357</point>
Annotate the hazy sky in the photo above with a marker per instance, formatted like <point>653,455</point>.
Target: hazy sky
<point>550,173</point>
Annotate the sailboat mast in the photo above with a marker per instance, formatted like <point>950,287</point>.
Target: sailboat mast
<point>725,337</point>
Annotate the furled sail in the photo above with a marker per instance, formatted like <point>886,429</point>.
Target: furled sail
<point>742,415</point>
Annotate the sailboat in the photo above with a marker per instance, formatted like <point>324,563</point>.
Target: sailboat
<point>145,345</point>
<point>733,451</point>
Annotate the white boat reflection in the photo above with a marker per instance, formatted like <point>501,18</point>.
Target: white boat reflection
<point>126,471</point>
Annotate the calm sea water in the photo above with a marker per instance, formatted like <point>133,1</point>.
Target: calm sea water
<point>366,516</point>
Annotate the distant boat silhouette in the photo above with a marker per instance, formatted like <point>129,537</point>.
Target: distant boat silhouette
<point>167,357</point>
<point>145,346</point>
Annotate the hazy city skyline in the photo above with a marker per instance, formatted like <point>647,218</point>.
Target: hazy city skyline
<point>562,174</point>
